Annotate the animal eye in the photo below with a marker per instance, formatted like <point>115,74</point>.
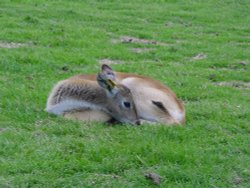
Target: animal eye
<point>110,73</point>
<point>127,104</point>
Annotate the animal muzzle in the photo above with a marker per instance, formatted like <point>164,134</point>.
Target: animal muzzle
<point>137,122</point>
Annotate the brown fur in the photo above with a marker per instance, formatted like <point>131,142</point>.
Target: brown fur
<point>148,84</point>
<point>86,98</point>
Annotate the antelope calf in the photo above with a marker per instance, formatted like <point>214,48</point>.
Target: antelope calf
<point>97,99</point>
<point>109,95</point>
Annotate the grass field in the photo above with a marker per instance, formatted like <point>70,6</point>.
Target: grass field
<point>200,49</point>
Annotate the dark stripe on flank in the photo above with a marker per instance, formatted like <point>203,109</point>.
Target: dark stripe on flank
<point>160,106</point>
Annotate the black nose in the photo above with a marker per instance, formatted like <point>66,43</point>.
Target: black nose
<point>138,122</point>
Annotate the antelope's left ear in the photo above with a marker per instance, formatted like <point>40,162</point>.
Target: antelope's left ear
<point>108,72</point>
<point>109,85</point>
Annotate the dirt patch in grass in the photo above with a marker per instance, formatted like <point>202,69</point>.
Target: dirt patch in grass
<point>155,178</point>
<point>241,65</point>
<point>244,63</point>
<point>235,84</point>
<point>109,61</point>
<point>2,129</point>
<point>128,39</point>
<point>237,181</point>
<point>11,45</point>
<point>141,50</point>
<point>199,56</point>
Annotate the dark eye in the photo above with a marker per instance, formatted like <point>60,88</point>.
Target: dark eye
<point>127,104</point>
<point>110,73</point>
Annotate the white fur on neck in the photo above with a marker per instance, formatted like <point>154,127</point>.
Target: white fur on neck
<point>71,104</point>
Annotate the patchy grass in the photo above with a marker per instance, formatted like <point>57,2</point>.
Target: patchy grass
<point>205,44</point>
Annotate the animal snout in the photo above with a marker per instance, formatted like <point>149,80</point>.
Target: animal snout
<point>137,122</point>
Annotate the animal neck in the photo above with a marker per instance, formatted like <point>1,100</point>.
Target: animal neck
<point>79,95</point>
<point>94,95</point>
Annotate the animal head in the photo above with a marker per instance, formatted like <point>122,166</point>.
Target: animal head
<point>120,104</point>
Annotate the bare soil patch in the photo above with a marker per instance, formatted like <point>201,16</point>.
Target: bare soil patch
<point>199,56</point>
<point>141,50</point>
<point>155,178</point>
<point>11,45</point>
<point>128,39</point>
<point>235,84</point>
<point>2,129</point>
<point>244,63</point>
<point>109,61</point>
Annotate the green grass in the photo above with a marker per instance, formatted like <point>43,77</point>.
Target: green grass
<point>212,150</point>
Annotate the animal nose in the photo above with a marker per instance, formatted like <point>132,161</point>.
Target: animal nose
<point>137,122</point>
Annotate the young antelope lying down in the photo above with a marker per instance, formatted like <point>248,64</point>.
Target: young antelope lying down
<point>109,95</point>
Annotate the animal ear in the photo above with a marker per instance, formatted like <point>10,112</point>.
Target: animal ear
<point>106,79</point>
<point>108,84</point>
<point>108,72</point>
